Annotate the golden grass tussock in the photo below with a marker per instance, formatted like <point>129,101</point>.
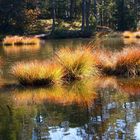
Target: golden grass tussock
<point>123,63</point>
<point>130,41</point>
<point>104,61</point>
<point>37,73</point>
<point>20,40</point>
<point>136,34</point>
<point>131,37</point>
<point>128,62</point>
<point>71,65</point>
<point>127,34</point>
<point>77,63</point>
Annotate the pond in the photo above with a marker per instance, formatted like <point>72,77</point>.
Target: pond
<point>97,108</point>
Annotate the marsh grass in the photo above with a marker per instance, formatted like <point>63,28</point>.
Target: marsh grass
<point>37,73</point>
<point>128,62</point>
<point>124,63</point>
<point>20,40</point>
<point>127,34</point>
<point>77,63</point>
<point>104,61</point>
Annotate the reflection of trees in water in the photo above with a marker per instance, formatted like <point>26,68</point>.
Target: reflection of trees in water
<point>14,121</point>
<point>44,113</point>
<point>115,113</point>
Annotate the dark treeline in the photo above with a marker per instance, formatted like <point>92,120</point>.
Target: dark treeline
<point>22,16</point>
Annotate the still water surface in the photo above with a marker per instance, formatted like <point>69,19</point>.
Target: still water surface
<point>104,108</point>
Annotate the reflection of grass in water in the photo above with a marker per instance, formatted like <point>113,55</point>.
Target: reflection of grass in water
<point>18,49</point>
<point>80,93</point>
<point>129,86</point>
<point>123,85</point>
<point>106,81</point>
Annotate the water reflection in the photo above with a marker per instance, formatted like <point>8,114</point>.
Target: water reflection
<point>100,108</point>
<point>20,49</point>
<point>81,93</point>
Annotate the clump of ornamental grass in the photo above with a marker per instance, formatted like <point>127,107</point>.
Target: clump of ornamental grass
<point>128,62</point>
<point>37,73</point>
<point>77,63</point>
<point>136,34</point>
<point>20,40</point>
<point>127,34</point>
<point>104,61</point>
<point>124,63</point>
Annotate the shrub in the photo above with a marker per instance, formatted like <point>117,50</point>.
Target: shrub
<point>76,63</point>
<point>37,73</point>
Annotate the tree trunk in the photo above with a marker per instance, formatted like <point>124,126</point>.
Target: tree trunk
<point>88,2</point>
<point>95,9</point>
<point>71,9</point>
<point>83,14</point>
<point>53,15</point>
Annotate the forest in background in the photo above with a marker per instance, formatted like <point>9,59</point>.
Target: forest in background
<point>40,16</point>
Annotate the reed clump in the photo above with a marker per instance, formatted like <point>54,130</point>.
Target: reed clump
<point>104,61</point>
<point>128,62</point>
<point>70,65</point>
<point>37,73</point>
<point>20,40</point>
<point>76,63</point>
<point>127,34</point>
<point>124,63</point>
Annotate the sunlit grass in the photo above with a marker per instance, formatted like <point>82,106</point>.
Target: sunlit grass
<point>127,34</point>
<point>37,73</point>
<point>20,40</point>
<point>104,61</point>
<point>137,34</point>
<point>123,63</point>
<point>77,63</point>
<point>128,62</point>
